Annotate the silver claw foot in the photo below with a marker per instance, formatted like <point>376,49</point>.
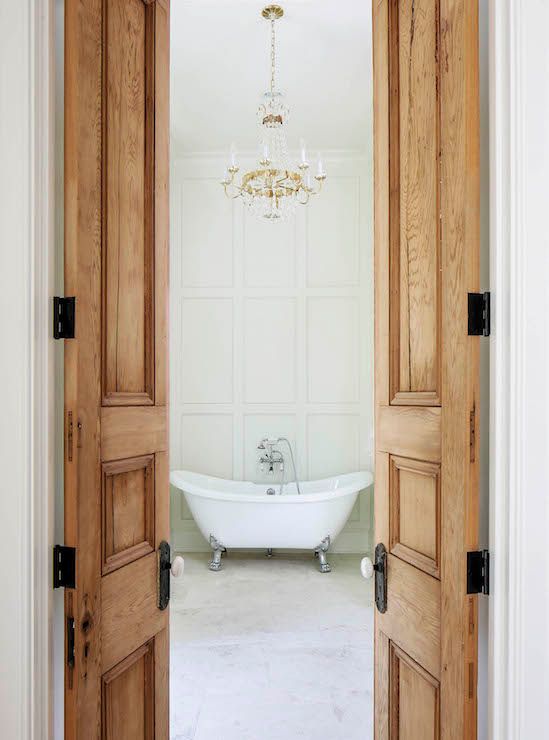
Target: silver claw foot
<point>320,553</point>
<point>218,550</point>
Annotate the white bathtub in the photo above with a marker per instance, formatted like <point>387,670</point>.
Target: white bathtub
<point>241,514</point>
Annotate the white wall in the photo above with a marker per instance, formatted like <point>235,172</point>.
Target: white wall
<point>271,334</point>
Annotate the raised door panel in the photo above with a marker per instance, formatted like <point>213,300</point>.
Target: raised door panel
<point>414,490</point>
<point>130,611</point>
<point>412,620</point>
<point>128,511</point>
<point>128,202</point>
<point>414,698</point>
<point>128,697</point>
<point>414,115</point>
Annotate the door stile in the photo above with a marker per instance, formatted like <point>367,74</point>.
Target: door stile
<point>82,361</point>
<point>380,27</point>
<point>161,329</point>
<point>460,198</point>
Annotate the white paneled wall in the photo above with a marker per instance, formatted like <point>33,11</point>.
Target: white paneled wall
<point>271,334</point>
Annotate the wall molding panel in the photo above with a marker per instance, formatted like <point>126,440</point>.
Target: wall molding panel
<point>271,335</point>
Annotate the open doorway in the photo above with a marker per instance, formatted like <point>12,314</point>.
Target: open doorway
<point>271,371</point>
<point>271,376</point>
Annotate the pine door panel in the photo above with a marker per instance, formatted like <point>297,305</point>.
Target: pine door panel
<point>128,511</point>
<point>414,279</point>
<point>116,459</point>
<point>426,261</point>
<point>414,519</point>
<point>128,697</point>
<point>409,431</point>
<point>413,616</point>
<point>131,431</point>
<point>415,699</point>
<point>128,202</point>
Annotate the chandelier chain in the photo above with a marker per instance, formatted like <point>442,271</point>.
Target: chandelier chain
<point>273,56</point>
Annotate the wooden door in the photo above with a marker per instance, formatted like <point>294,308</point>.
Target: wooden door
<point>427,259</point>
<point>116,391</point>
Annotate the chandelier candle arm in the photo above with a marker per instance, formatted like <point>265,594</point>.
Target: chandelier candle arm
<point>273,189</point>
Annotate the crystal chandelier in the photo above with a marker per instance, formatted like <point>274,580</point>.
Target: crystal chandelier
<point>274,188</point>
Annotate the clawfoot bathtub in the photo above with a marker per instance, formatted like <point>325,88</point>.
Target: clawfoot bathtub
<point>251,515</point>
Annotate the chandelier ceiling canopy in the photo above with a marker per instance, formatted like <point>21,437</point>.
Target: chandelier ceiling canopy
<point>274,188</point>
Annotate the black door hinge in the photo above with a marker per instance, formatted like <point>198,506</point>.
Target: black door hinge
<point>478,572</point>
<point>64,317</point>
<point>478,314</point>
<point>64,567</point>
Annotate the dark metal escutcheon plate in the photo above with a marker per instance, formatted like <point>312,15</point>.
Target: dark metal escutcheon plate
<point>164,575</point>
<point>380,569</point>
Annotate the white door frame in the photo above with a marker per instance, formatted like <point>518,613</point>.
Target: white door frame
<point>519,423</point>
<point>519,435</point>
<point>26,254</point>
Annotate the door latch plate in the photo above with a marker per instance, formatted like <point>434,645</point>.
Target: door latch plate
<point>380,570</point>
<point>164,566</point>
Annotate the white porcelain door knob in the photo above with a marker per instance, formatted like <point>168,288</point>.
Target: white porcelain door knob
<point>366,568</point>
<point>177,567</point>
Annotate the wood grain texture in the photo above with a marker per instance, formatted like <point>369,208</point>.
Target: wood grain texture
<point>409,432</point>
<point>128,208</point>
<point>412,619</point>
<point>130,609</point>
<point>162,680</point>
<point>382,371</point>
<point>116,459</point>
<point>128,697</point>
<point>414,490</point>
<point>129,432</point>
<point>415,247</point>
<point>161,199</point>
<point>82,472</point>
<point>128,511</point>
<point>380,31</point>
<point>460,357</point>
<point>382,689</point>
<point>426,367</point>
<point>415,695</point>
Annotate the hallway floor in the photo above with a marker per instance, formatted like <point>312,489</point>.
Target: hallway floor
<point>271,650</point>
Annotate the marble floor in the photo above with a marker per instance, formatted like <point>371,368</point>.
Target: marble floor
<point>271,650</point>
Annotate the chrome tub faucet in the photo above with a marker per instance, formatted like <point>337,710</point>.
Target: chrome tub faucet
<point>272,456</point>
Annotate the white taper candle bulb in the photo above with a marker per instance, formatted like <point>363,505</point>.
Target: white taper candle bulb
<point>320,165</point>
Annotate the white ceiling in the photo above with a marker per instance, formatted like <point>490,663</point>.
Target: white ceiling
<point>220,68</point>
